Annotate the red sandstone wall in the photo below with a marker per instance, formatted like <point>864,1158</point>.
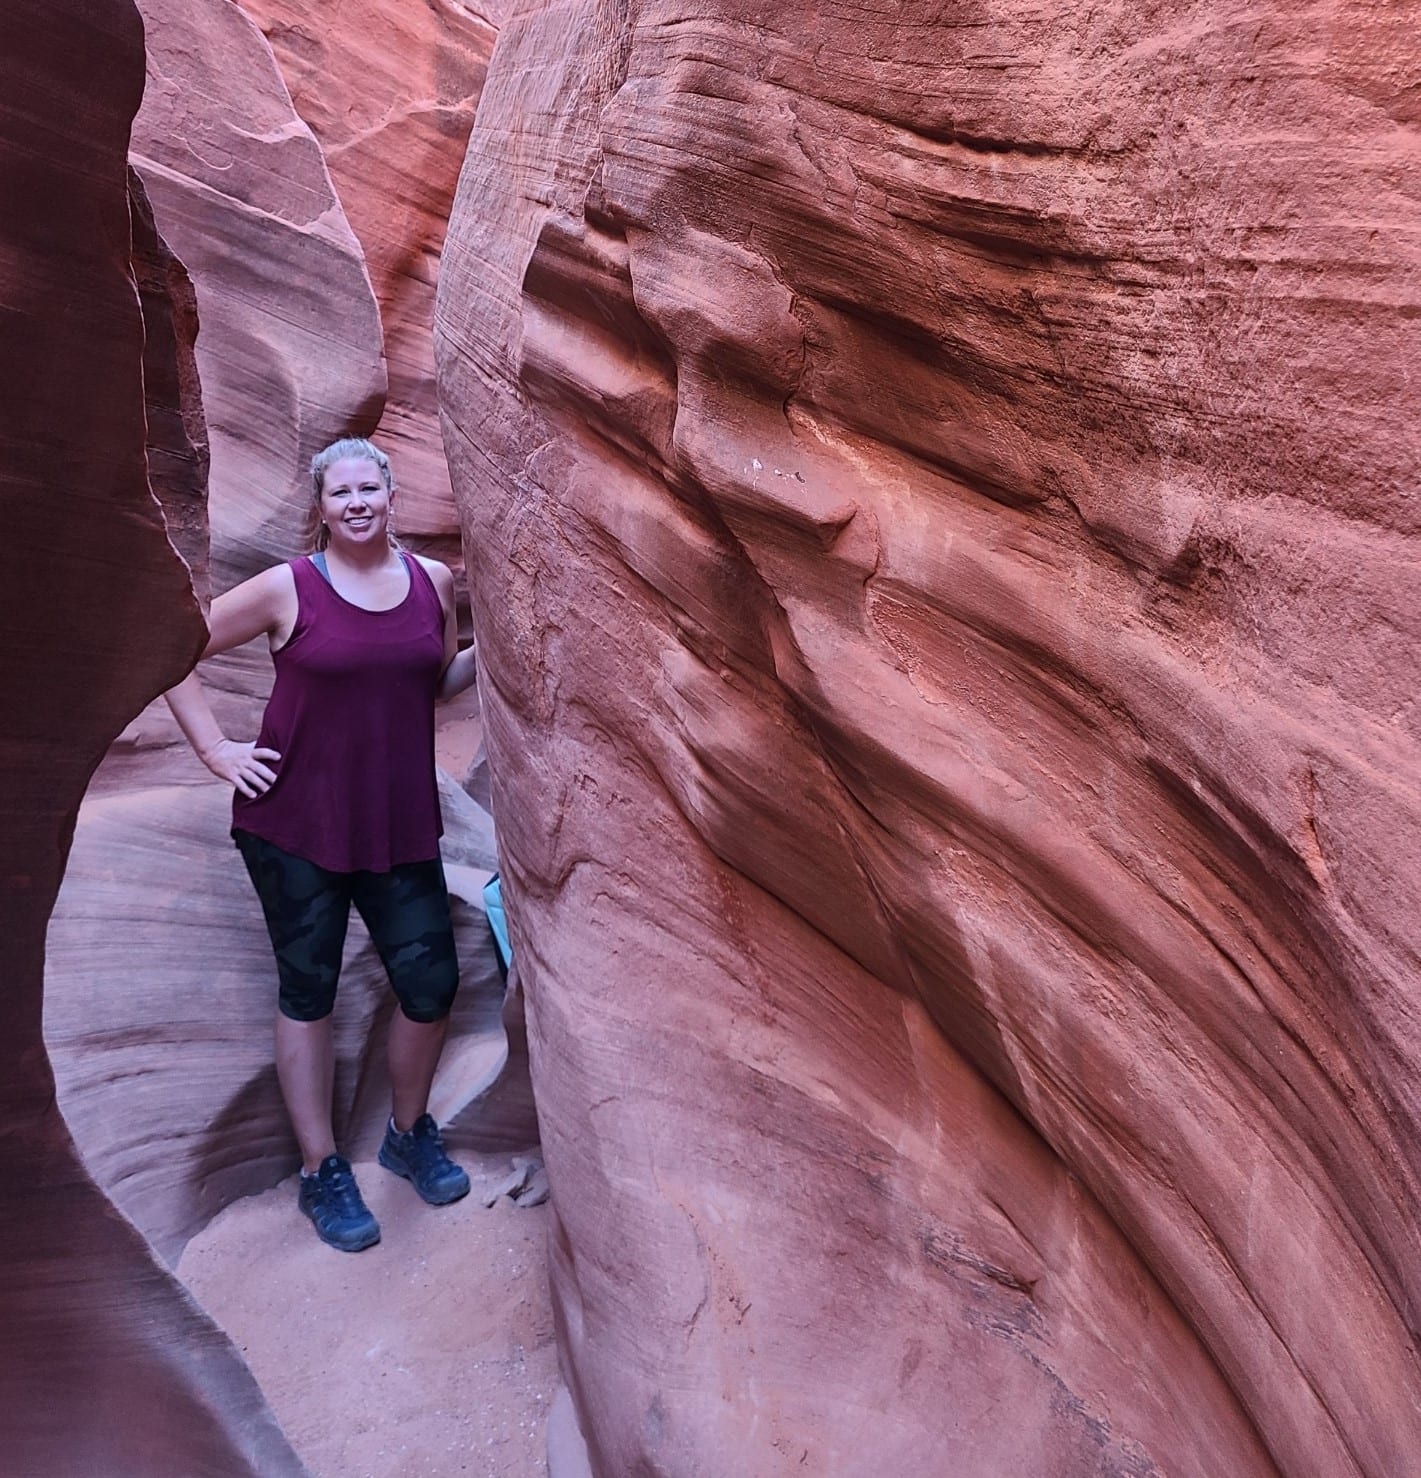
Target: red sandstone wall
<point>945,486</point>
<point>106,1366</point>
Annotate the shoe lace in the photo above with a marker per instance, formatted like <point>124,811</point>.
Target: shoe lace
<point>425,1150</point>
<point>344,1194</point>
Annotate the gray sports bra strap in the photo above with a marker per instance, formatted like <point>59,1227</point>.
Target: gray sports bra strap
<point>319,560</point>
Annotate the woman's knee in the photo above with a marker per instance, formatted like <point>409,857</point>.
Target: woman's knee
<point>407,913</point>
<point>429,996</point>
<point>305,1000</point>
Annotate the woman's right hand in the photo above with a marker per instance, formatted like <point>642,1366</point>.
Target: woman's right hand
<point>242,766</point>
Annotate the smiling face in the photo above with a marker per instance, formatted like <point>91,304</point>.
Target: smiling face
<point>355,503</point>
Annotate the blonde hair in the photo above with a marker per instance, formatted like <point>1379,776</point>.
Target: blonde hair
<point>359,447</point>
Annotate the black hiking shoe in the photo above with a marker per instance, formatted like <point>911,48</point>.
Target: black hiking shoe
<point>331,1199</point>
<point>418,1155</point>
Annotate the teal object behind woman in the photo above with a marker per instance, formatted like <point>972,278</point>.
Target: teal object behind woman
<point>498,920</point>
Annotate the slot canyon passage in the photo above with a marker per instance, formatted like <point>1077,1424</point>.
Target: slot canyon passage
<point>937,489</point>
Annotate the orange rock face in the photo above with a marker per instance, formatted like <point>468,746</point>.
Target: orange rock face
<point>948,592</point>
<point>99,615</point>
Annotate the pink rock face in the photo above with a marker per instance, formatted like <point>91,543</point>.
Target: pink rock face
<point>290,353</point>
<point>390,89</point>
<point>950,607</point>
<point>161,982</point>
<point>172,393</point>
<point>106,1366</point>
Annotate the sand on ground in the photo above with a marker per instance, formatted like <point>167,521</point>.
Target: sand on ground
<point>430,1354</point>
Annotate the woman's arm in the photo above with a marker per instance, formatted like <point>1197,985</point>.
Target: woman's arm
<point>265,603</point>
<point>462,672</point>
<point>460,668</point>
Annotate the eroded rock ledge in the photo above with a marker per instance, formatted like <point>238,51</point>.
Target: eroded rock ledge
<point>944,494</point>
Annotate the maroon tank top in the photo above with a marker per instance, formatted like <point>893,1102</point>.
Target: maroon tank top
<point>352,716</point>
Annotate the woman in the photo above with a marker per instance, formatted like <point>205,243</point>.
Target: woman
<point>336,803</point>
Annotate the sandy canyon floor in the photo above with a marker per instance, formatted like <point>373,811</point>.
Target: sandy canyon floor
<point>429,1354</point>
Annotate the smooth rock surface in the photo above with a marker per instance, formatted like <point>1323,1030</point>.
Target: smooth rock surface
<point>389,89</point>
<point>291,349</point>
<point>949,605</point>
<point>106,1365</point>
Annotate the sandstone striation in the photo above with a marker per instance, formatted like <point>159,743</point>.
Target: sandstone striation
<point>161,983</point>
<point>949,610</point>
<point>389,90</point>
<point>291,351</point>
<point>106,1366</point>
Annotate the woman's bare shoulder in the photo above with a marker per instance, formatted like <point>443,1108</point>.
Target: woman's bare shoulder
<point>279,577</point>
<point>264,603</point>
<point>439,572</point>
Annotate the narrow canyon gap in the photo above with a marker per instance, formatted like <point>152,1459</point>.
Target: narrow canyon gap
<point>940,489</point>
<point>290,352</point>
<point>157,973</point>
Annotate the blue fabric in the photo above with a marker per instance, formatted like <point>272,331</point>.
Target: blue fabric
<point>497,920</point>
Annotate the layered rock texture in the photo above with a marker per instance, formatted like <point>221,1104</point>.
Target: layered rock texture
<point>266,270</point>
<point>106,1366</point>
<point>239,314</point>
<point>390,90</point>
<point>291,348</point>
<point>944,480</point>
<point>943,489</point>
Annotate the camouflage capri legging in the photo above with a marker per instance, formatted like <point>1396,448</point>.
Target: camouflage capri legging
<point>307,909</point>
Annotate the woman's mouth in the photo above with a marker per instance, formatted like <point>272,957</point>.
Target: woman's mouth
<point>361,521</point>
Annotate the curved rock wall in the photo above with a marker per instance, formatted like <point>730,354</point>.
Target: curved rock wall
<point>943,480</point>
<point>161,986</point>
<point>390,90</point>
<point>106,1366</point>
<point>291,348</point>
